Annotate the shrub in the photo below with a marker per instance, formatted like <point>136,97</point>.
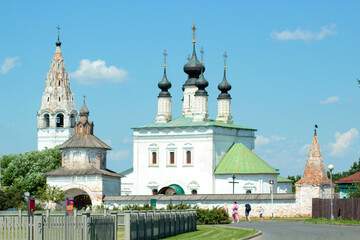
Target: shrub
<point>180,206</point>
<point>138,207</point>
<point>212,216</point>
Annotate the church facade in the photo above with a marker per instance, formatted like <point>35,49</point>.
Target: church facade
<point>194,154</point>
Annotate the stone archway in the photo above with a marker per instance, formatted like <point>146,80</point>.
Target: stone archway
<point>172,189</point>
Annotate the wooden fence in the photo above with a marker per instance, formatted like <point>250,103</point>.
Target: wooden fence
<point>346,209</point>
<point>158,224</point>
<point>53,227</point>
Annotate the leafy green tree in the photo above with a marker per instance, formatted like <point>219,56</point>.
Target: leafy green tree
<point>354,191</point>
<point>50,194</point>
<point>294,179</point>
<point>26,171</point>
<point>12,198</point>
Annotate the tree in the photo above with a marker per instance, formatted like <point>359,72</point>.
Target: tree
<point>50,194</point>
<point>294,179</point>
<point>12,198</point>
<point>26,171</point>
<point>354,191</point>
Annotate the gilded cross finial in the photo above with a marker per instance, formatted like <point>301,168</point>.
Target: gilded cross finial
<point>165,54</point>
<point>225,57</point>
<point>194,29</point>
<point>202,56</point>
<point>58,28</point>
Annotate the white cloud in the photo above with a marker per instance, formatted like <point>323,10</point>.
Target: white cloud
<point>261,140</point>
<point>343,142</point>
<point>8,64</point>
<point>329,100</point>
<point>305,35</point>
<point>96,72</point>
<point>118,155</point>
<point>126,140</point>
<point>304,149</point>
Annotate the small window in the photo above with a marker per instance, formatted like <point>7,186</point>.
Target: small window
<point>193,192</point>
<point>48,99</point>
<point>248,191</point>
<point>72,120</point>
<point>59,82</point>
<point>154,192</point>
<point>59,99</point>
<point>188,157</point>
<point>154,158</point>
<point>172,157</point>
<point>60,120</point>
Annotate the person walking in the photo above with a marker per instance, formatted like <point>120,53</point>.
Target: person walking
<point>235,213</point>
<point>247,212</point>
<point>261,211</point>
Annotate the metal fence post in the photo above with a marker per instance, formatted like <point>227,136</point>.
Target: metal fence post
<point>38,226</point>
<point>86,224</point>
<point>114,215</point>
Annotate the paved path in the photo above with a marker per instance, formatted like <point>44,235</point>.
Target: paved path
<point>298,230</point>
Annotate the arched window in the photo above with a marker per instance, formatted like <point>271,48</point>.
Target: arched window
<point>60,120</point>
<point>248,191</point>
<point>48,99</point>
<point>72,120</point>
<point>172,158</point>
<point>59,82</point>
<point>193,192</point>
<point>46,120</point>
<point>59,99</point>
<point>154,192</point>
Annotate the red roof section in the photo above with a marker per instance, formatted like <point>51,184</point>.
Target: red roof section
<point>315,171</point>
<point>350,179</point>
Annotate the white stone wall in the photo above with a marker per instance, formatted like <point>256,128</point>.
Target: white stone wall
<point>189,101</point>
<point>111,186</point>
<point>256,183</point>
<point>201,108</point>
<point>51,137</point>
<point>279,208</point>
<point>164,109</point>
<point>127,184</point>
<point>224,111</point>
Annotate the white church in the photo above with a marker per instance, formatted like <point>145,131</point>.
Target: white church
<point>191,154</point>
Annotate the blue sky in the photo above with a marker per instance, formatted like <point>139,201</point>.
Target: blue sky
<point>292,64</point>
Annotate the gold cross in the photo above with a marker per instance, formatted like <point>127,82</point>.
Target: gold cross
<point>225,57</point>
<point>165,54</point>
<point>58,28</point>
<point>194,29</point>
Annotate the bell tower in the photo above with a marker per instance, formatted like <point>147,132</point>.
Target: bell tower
<point>57,114</point>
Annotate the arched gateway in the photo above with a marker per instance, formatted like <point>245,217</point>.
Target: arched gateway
<point>83,174</point>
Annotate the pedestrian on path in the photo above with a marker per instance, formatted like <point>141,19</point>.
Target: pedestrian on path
<point>235,214</point>
<point>261,213</point>
<point>247,211</point>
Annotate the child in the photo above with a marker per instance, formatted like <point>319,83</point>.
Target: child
<point>261,213</point>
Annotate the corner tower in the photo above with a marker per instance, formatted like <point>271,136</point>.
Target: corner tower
<point>57,114</point>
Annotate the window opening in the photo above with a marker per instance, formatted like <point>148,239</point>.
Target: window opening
<point>47,120</point>
<point>154,192</point>
<point>248,191</point>
<point>153,157</point>
<point>60,120</point>
<point>188,157</point>
<point>59,99</point>
<point>193,192</point>
<point>72,120</point>
<point>172,158</point>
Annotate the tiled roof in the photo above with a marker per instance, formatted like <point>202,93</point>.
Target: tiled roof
<point>84,141</point>
<point>315,172</point>
<point>350,179</point>
<point>240,160</point>
<point>188,122</point>
<point>283,180</point>
<point>63,171</point>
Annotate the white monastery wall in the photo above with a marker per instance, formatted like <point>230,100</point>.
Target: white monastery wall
<point>111,186</point>
<point>51,137</point>
<point>255,183</point>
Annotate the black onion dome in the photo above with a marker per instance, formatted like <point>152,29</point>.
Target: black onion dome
<point>201,83</point>
<point>58,43</point>
<point>193,68</point>
<point>164,85</point>
<point>224,87</point>
<point>84,111</point>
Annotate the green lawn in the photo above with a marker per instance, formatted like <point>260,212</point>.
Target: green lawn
<point>335,221</point>
<point>120,233</point>
<point>215,232</point>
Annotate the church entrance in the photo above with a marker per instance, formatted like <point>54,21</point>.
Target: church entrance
<point>81,198</point>
<point>172,189</point>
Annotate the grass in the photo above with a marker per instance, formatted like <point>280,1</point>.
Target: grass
<point>335,221</point>
<point>120,233</point>
<point>215,232</point>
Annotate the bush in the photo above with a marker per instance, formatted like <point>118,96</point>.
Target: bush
<point>212,216</point>
<point>180,206</point>
<point>138,208</point>
<point>12,198</point>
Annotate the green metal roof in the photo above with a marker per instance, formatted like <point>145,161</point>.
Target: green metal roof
<point>188,122</point>
<point>283,180</point>
<point>177,189</point>
<point>240,160</point>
